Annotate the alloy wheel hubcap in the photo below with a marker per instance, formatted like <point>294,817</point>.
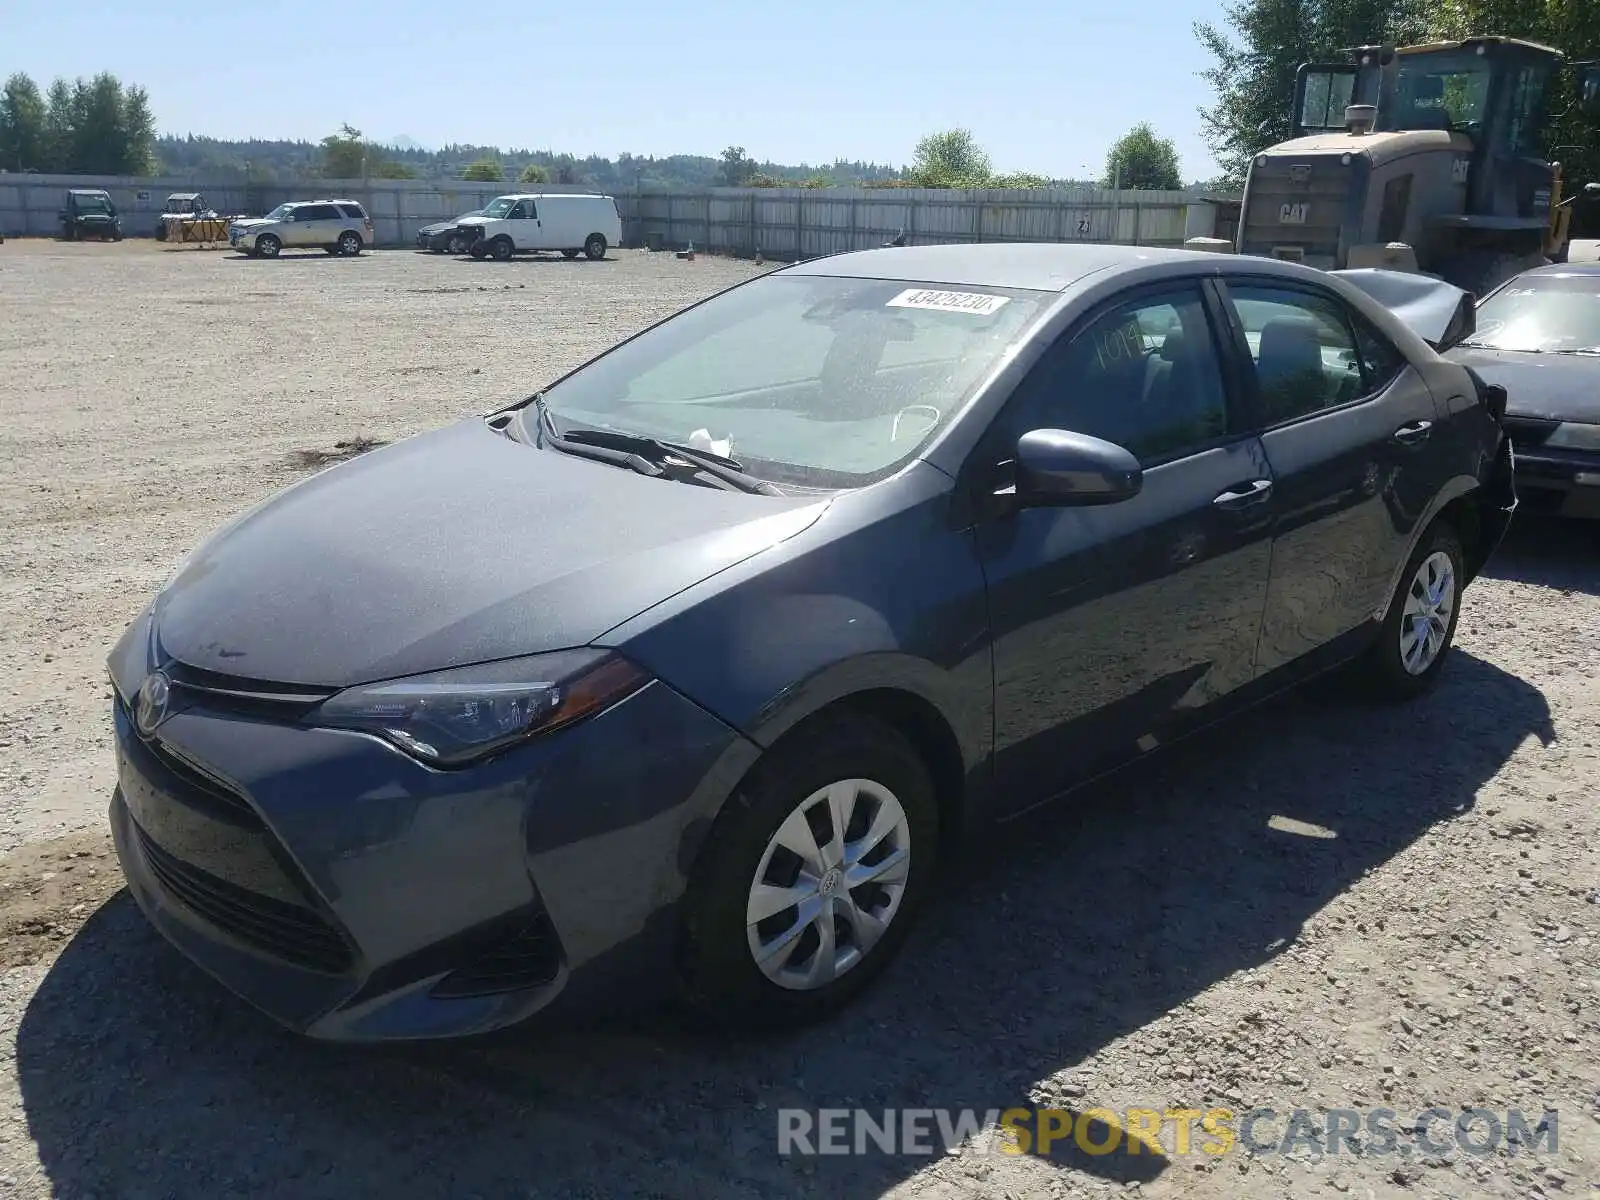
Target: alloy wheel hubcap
<point>1430,601</point>
<point>829,883</point>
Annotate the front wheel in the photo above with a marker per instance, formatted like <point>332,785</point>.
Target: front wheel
<point>1420,625</point>
<point>268,246</point>
<point>811,876</point>
<point>501,249</point>
<point>595,247</point>
<point>349,243</point>
<point>571,253</point>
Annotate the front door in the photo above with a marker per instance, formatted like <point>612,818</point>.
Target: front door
<point>1115,626</point>
<point>1347,426</point>
<point>524,222</point>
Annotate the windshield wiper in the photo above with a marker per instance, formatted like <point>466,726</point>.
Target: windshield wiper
<point>616,457</point>
<point>1580,350</point>
<point>631,447</point>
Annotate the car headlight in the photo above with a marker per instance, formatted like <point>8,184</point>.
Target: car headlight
<point>1574,435</point>
<point>451,718</point>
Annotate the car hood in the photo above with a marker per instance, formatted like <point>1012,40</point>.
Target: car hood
<point>477,220</point>
<point>450,548</point>
<point>250,222</point>
<point>437,227</point>
<point>1561,387</point>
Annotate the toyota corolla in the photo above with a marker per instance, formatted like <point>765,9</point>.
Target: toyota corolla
<point>691,671</point>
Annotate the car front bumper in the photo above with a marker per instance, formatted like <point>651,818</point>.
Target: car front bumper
<point>353,894</point>
<point>1559,482</point>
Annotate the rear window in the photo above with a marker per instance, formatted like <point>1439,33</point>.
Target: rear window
<point>353,210</point>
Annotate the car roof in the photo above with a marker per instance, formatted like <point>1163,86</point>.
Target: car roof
<point>1588,269</point>
<point>1032,266</point>
<point>88,192</point>
<point>182,195</point>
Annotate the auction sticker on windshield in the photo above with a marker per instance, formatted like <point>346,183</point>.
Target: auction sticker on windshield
<point>964,302</point>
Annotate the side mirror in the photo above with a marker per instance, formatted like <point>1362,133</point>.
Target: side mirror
<point>1462,325</point>
<point>1056,468</point>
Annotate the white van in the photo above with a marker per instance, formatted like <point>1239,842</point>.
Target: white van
<point>573,224</point>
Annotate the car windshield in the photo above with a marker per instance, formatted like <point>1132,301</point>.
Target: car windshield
<point>500,207</point>
<point>1552,313</point>
<point>815,381</point>
<point>93,204</point>
<point>280,213</point>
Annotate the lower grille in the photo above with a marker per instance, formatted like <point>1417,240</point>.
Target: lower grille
<point>530,958</point>
<point>286,931</point>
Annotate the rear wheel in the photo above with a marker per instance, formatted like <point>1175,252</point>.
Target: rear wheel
<point>811,876</point>
<point>267,246</point>
<point>1420,625</point>
<point>501,249</point>
<point>349,242</point>
<point>595,246</point>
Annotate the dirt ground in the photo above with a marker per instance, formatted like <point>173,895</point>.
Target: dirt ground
<point>1327,907</point>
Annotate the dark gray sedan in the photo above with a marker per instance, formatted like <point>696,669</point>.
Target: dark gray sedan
<point>691,673</point>
<point>442,237</point>
<point>1538,335</point>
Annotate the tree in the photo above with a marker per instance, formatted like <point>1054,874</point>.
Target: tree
<point>393,170</point>
<point>22,124</point>
<point>344,154</point>
<point>950,159</point>
<point>1143,162</point>
<point>533,173</point>
<point>484,170</point>
<point>1255,54</point>
<point>736,168</point>
<point>1019,180</point>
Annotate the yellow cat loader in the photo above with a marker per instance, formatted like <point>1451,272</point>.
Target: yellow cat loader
<point>1421,158</point>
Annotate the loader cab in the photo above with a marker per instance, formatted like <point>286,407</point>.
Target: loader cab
<point>1493,92</point>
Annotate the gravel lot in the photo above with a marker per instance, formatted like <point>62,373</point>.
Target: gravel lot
<point>1169,941</point>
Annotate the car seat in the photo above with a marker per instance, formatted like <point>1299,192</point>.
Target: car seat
<point>1289,369</point>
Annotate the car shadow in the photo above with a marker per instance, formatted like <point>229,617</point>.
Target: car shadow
<point>1549,552</point>
<point>541,259</point>
<point>1078,925</point>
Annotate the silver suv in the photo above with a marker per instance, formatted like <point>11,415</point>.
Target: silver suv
<point>337,226</point>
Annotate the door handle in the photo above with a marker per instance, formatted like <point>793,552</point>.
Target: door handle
<point>1244,496</point>
<point>1413,433</point>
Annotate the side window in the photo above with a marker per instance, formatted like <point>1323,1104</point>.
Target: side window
<point>353,210</point>
<point>1303,350</point>
<point>322,212</point>
<point>1144,375</point>
<point>1381,363</point>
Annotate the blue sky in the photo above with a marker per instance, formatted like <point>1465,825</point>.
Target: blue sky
<point>1045,86</point>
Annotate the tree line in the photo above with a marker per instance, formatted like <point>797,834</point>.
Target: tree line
<point>79,127</point>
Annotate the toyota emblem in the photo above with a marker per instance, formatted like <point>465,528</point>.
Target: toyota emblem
<point>150,708</point>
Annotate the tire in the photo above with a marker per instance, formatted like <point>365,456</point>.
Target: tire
<point>349,243</point>
<point>161,233</point>
<point>501,249</point>
<point>884,778</point>
<point>478,250</point>
<point>457,244</point>
<point>267,246</point>
<point>571,253</point>
<point>1383,671</point>
<point>117,236</point>
<point>594,248</point>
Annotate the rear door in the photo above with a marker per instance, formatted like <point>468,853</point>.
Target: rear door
<point>1347,426</point>
<point>1116,626</point>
